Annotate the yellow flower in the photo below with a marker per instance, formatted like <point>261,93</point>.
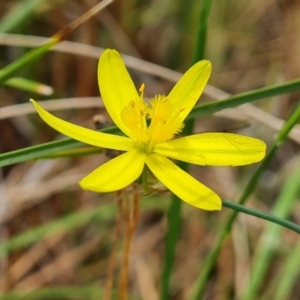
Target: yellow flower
<point>150,129</point>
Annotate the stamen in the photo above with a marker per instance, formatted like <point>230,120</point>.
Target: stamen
<point>133,117</point>
<point>164,126</point>
<point>142,88</point>
<point>132,104</point>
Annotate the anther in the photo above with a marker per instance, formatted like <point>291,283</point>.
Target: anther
<point>142,88</point>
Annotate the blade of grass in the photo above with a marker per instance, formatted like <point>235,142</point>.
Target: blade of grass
<point>103,212</point>
<point>36,152</point>
<point>83,151</point>
<point>281,286</point>
<point>173,216</point>
<point>270,239</point>
<point>201,282</point>
<point>27,59</point>
<point>18,14</point>
<point>33,55</point>
<point>44,150</point>
<point>29,86</point>
<point>265,216</point>
<point>174,212</point>
<point>200,43</point>
<point>246,97</point>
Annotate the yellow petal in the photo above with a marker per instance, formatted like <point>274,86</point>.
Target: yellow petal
<point>116,86</point>
<point>88,136</point>
<point>182,184</point>
<point>215,149</point>
<point>188,89</point>
<point>116,173</point>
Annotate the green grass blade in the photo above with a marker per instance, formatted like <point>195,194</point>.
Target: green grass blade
<point>36,152</point>
<point>173,216</point>
<point>78,152</point>
<point>29,86</point>
<point>174,212</point>
<point>200,45</point>
<point>283,285</point>
<point>44,150</point>
<point>269,217</point>
<point>33,55</point>
<point>27,59</point>
<point>69,222</point>
<point>271,237</point>
<point>209,262</point>
<point>18,15</point>
<point>247,97</point>
<point>105,212</point>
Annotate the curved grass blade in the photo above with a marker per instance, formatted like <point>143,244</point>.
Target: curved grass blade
<point>33,55</point>
<point>199,287</point>
<point>266,248</point>
<point>19,14</point>
<point>269,217</point>
<point>43,150</point>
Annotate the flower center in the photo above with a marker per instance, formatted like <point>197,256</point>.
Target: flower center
<point>163,124</point>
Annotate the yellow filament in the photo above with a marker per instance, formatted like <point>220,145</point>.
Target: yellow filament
<point>163,125</point>
<point>134,117</point>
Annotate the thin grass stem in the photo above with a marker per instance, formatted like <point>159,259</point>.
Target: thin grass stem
<point>174,212</point>
<point>46,149</point>
<point>201,282</point>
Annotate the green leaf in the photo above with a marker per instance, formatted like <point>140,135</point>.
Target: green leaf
<point>18,14</point>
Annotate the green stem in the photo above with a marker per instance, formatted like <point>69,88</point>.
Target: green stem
<point>146,187</point>
<point>199,50</point>
<point>28,58</point>
<point>19,13</point>
<point>39,151</point>
<point>209,262</point>
<point>29,86</point>
<point>246,97</point>
<point>174,211</point>
<point>173,216</point>
<point>267,245</point>
<point>272,218</point>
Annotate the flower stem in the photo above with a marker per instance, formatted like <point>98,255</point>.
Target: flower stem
<point>116,236</point>
<point>131,210</point>
<point>146,187</point>
<point>123,275</point>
